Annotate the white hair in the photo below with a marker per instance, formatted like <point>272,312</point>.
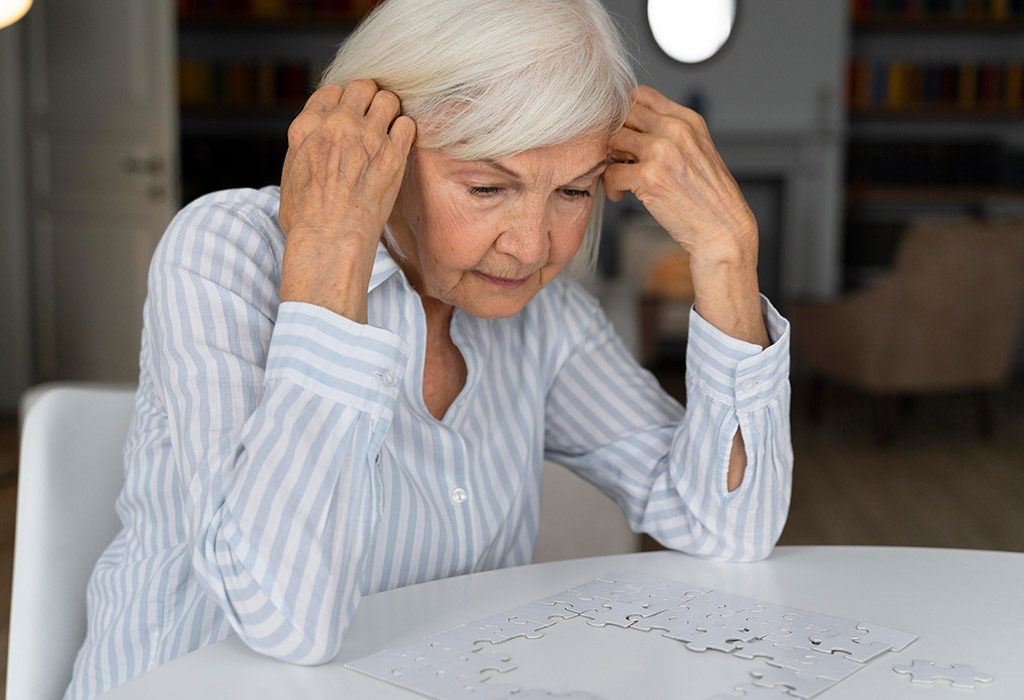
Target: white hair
<point>487,79</point>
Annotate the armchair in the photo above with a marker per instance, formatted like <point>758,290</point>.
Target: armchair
<point>944,319</point>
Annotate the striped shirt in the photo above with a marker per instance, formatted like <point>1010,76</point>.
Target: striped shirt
<point>281,461</point>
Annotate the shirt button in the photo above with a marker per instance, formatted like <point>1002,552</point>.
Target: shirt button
<point>749,386</point>
<point>389,378</point>
<point>459,495</point>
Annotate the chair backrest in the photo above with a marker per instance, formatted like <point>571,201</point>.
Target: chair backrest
<point>70,473</point>
<point>961,289</point>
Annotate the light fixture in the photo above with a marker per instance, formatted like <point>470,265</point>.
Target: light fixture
<point>13,10</point>
<point>691,31</point>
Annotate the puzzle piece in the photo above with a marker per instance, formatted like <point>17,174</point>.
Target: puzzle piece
<point>474,664</point>
<point>615,613</point>
<point>802,685</point>
<point>603,590</point>
<point>717,638</point>
<point>532,694</point>
<point>385,664</point>
<point>439,683</point>
<point>703,606</point>
<point>825,625</point>
<point>637,579</point>
<point>651,598</point>
<point>730,603</point>
<point>960,675</point>
<point>569,602</point>
<point>647,582</point>
<point>500,628</point>
<point>761,628</point>
<point>835,667</point>
<point>896,640</point>
<point>777,613</point>
<point>540,614</point>
<point>673,625</point>
<point>465,638</point>
<point>760,647</point>
<point>755,692</point>
<point>855,651</point>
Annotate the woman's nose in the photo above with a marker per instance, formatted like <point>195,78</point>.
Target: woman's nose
<point>526,235</point>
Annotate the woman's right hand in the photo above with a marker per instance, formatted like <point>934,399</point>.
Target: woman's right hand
<point>347,151</point>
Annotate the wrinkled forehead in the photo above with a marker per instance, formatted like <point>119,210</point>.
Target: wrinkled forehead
<point>559,164</point>
<point>590,145</point>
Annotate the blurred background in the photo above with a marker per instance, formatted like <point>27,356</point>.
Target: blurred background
<point>880,144</point>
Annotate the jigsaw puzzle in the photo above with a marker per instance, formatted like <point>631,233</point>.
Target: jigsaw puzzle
<point>960,675</point>
<point>806,652</point>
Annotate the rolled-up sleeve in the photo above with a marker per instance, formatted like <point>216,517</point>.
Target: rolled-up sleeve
<point>667,467</point>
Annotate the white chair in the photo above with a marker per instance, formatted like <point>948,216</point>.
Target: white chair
<point>69,476</point>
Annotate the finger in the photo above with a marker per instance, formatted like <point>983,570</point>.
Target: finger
<point>630,143</point>
<point>643,118</point>
<point>383,110</point>
<point>403,133</point>
<point>656,106</point>
<point>620,178</point>
<point>358,96</point>
<point>654,100</point>
<point>325,98</point>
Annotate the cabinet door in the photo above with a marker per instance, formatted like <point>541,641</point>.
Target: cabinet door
<point>104,136</point>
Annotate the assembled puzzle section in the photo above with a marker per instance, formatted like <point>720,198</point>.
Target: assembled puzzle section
<point>806,652</point>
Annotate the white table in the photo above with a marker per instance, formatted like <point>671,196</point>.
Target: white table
<point>966,606</point>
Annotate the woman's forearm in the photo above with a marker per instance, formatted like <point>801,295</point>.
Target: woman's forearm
<point>728,298</point>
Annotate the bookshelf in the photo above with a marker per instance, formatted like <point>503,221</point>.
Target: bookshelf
<point>245,68</point>
<point>935,106</point>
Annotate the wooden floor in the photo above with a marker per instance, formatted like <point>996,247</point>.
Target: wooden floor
<point>938,484</point>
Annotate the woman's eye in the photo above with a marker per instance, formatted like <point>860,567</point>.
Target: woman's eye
<point>576,194</point>
<point>484,191</point>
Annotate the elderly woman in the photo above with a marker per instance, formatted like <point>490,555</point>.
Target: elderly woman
<point>351,383</point>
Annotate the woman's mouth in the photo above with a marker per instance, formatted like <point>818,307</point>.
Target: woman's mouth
<point>503,282</point>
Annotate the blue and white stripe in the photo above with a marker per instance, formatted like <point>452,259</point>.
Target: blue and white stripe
<point>281,461</point>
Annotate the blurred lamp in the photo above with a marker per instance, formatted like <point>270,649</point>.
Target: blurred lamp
<point>13,10</point>
<point>691,31</point>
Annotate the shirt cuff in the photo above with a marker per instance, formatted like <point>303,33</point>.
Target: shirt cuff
<point>735,372</point>
<point>351,363</point>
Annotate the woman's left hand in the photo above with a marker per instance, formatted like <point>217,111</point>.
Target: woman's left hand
<point>664,155</point>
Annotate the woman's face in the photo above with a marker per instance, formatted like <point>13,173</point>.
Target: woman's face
<point>486,236</point>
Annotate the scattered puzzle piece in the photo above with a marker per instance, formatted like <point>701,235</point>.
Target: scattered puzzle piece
<point>960,675</point>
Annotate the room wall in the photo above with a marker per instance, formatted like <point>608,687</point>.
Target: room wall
<point>15,343</point>
<point>781,70</point>
<point>772,98</point>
